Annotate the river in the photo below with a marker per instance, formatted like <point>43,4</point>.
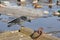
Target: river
<point>49,24</point>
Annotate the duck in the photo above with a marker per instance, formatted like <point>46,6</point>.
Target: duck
<point>37,6</point>
<point>58,3</point>
<point>56,13</point>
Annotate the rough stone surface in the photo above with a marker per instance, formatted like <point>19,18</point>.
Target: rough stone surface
<point>21,36</point>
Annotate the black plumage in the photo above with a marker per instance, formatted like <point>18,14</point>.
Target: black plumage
<point>13,22</point>
<point>17,21</point>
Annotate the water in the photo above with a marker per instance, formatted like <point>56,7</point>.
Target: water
<point>49,24</point>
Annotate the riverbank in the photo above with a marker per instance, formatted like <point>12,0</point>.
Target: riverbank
<point>21,36</point>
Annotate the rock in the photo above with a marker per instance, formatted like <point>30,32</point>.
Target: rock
<point>22,36</point>
<point>26,30</point>
<point>14,36</point>
<point>46,12</point>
